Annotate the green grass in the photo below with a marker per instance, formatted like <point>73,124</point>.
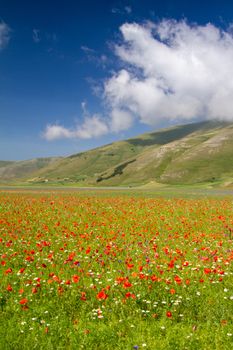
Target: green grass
<point>170,254</point>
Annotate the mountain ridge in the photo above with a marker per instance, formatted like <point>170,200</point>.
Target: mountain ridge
<point>182,154</point>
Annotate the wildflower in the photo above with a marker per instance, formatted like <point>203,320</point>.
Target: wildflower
<point>9,288</point>
<point>169,314</point>
<point>8,271</point>
<point>83,296</point>
<point>102,295</point>
<point>127,284</point>
<point>75,278</point>
<point>130,295</point>
<point>177,279</point>
<point>88,250</point>
<point>23,301</point>
<point>130,266</point>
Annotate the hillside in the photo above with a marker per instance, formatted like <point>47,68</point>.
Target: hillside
<point>186,154</point>
<point>13,171</point>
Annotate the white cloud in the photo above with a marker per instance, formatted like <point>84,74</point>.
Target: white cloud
<point>120,120</point>
<point>92,127</point>
<point>173,71</point>
<point>4,35</point>
<point>55,132</point>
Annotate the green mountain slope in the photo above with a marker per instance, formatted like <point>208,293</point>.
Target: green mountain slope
<point>186,154</point>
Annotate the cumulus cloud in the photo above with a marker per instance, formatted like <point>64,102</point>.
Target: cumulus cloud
<point>92,127</point>
<point>55,132</point>
<point>172,71</point>
<point>4,35</point>
<point>120,120</point>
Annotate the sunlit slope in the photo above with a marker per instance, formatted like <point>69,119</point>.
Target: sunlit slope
<point>205,155</point>
<point>186,154</point>
<point>86,167</point>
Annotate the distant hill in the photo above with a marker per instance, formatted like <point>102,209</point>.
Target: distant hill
<point>185,154</point>
<point>20,170</point>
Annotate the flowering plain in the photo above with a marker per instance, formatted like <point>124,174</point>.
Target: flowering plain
<point>114,271</point>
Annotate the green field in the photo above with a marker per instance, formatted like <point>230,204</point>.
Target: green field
<point>116,269</point>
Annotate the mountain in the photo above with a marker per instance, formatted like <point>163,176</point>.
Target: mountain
<point>185,154</point>
<point>12,171</point>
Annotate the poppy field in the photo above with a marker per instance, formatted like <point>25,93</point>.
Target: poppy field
<point>90,271</point>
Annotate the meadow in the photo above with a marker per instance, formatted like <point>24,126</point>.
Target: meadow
<point>115,271</point>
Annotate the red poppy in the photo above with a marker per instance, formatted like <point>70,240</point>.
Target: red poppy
<point>23,301</point>
<point>9,288</point>
<point>130,295</point>
<point>22,270</point>
<point>177,279</point>
<point>75,278</point>
<point>8,271</point>
<point>169,314</point>
<point>88,250</point>
<point>102,295</point>
<point>130,266</point>
<point>83,296</point>
<point>127,284</point>
<point>154,278</point>
<point>171,264</point>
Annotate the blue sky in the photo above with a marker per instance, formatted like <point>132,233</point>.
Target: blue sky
<point>79,74</point>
